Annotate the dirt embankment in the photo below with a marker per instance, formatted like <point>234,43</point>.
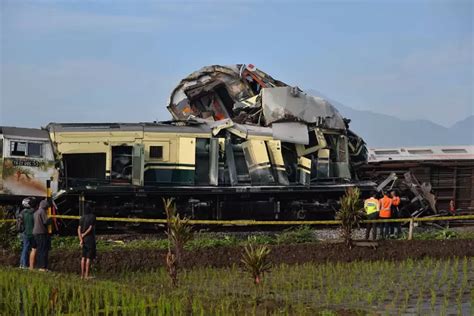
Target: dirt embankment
<point>146,259</point>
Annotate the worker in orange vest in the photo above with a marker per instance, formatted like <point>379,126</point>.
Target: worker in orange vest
<point>395,214</point>
<point>452,207</point>
<point>372,208</point>
<point>385,213</point>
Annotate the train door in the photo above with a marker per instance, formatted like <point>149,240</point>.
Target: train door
<point>127,164</point>
<point>121,171</point>
<point>138,164</point>
<point>207,161</point>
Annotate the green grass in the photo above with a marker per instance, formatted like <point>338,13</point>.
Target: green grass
<point>201,240</point>
<point>301,234</point>
<point>444,234</point>
<point>423,287</point>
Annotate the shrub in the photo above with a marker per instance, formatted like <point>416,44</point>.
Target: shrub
<point>7,230</point>
<point>301,234</point>
<point>350,214</point>
<point>179,233</point>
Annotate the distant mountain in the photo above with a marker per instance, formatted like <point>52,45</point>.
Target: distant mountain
<point>381,130</point>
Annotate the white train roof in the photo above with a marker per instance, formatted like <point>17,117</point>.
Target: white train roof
<point>23,133</point>
<point>421,153</point>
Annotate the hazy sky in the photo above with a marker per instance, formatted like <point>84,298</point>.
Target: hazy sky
<point>72,61</point>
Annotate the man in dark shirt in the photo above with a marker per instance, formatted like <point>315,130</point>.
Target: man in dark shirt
<point>40,233</point>
<point>86,234</point>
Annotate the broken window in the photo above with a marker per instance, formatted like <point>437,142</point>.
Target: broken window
<point>156,152</point>
<point>121,163</point>
<point>25,149</point>
<point>18,148</point>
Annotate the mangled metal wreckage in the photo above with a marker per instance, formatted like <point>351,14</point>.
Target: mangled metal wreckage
<point>245,103</point>
<point>241,145</point>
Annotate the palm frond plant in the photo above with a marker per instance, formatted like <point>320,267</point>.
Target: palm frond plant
<point>350,214</point>
<point>256,261</point>
<point>179,232</point>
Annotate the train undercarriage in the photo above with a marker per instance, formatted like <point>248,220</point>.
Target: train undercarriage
<point>210,203</point>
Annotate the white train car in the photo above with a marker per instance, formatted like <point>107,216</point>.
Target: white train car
<point>26,164</point>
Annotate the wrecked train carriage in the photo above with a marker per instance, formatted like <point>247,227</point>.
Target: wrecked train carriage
<point>127,168</point>
<point>241,141</point>
<point>445,171</point>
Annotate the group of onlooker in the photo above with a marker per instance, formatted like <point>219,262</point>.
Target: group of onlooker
<point>383,206</point>
<point>32,223</point>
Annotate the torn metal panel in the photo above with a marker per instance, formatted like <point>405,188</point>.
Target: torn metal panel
<point>280,104</point>
<point>245,131</point>
<point>291,132</point>
<point>214,161</point>
<point>258,163</point>
<point>278,164</point>
<point>358,151</point>
<point>230,162</point>
<point>323,164</point>
<point>250,103</point>
<point>216,127</point>
<point>304,171</point>
<point>342,170</point>
<point>390,179</point>
<point>421,191</point>
<point>316,142</point>
<point>213,90</point>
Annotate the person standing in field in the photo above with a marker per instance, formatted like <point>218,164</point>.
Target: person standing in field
<point>385,213</point>
<point>41,236</point>
<point>395,228</point>
<point>372,208</point>
<point>86,234</point>
<point>25,224</point>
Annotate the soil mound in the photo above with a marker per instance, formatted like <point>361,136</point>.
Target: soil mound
<point>146,259</point>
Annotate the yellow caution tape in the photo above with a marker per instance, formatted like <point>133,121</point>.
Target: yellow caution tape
<point>7,220</point>
<point>256,223</point>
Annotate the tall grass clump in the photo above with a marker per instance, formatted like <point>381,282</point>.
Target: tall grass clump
<point>350,214</point>
<point>7,229</point>
<point>179,232</point>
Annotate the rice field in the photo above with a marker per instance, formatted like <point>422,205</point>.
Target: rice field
<point>422,287</point>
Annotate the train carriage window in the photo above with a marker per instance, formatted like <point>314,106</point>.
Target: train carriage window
<point>25,149</point>
<point>156,152</point>
<point>34,150</point>
<point>18,148</point>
